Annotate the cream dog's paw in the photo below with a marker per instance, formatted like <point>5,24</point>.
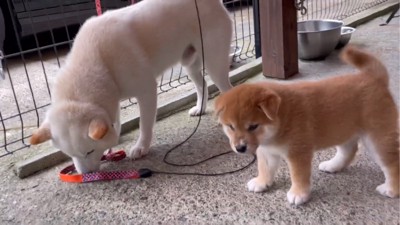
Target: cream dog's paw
<point>196,111</point>
<point>385,190</point>
<point>298,197</point>
<point>138,151</point>
<point>254,185</point>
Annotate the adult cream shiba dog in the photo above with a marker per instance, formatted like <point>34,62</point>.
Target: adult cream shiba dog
<point>292,121</point>
<point>119,55</point>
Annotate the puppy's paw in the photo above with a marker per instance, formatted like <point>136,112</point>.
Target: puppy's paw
<point>298,197</point>
<point>254,185</point>
<point>196,111</point>
<point>385,190</point>
<point>138,151</point>
<point>330,166</point>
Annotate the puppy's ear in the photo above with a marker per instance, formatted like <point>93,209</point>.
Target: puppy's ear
<point>41,135</point>
<point>269,104</point>
<point>98,128</point>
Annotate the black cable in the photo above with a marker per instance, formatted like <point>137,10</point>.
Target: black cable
<point>208,174</point>
<point>197,126</point>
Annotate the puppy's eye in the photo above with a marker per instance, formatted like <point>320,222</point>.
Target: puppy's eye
<point>230,126</point>
<point>252,127</point>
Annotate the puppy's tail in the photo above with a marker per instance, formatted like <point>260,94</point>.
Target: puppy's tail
<point>365,62</point>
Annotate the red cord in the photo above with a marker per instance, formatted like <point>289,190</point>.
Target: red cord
<point>98,7</point>
<point>67,175</point>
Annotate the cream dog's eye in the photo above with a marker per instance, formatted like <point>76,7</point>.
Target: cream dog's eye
<point>89,152</point>
<point>252,127</point>
<point>230,126</point>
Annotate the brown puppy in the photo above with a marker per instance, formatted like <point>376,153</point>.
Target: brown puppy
<point>291,121</point>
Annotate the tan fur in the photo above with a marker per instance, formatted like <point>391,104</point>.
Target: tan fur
<point>97,129</point>
<point>40,136</point>
<point>312,116</point>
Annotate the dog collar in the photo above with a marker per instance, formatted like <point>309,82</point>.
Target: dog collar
<point>68,175</point>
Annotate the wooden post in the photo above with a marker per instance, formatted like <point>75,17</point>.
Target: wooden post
<point>278,21</point>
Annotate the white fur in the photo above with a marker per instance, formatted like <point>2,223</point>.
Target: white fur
<point>255,185</point>
<point>274,154</point>
<point>274,149</point>
<point>297,198</point>
<point>268,135</point>
<point>333,165</point>
<point>119,55</point>
<point>344,154</point>
<point>269,158</point>
<point>385,188</point>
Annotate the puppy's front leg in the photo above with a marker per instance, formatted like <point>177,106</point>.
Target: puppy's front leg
<point>267,165</point>
<point>300,174</point>
<point>148,108</point>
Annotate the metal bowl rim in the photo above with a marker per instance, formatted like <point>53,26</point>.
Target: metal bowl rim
<point>340,24</point>
<point>351,29</point>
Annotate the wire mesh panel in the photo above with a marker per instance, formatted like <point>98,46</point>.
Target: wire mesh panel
<point>243,32</point>
<point>242,48</point>
<point>336,9</point>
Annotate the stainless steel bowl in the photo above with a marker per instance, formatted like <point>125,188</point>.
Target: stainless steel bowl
<point>317,38</point>
<point>345,36</point>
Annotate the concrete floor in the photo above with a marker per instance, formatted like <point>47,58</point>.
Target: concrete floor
<point>345,198</point>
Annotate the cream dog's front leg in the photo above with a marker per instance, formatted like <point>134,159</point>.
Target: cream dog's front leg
<point>147,101</point>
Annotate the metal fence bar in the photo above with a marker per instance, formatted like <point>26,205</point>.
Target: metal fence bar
<point>257,34</point>
<point>39,52</point>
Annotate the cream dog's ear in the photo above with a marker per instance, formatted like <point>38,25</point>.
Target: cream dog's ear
<point>269,104</point>
<point>41,135</point>
<point>98,128</point>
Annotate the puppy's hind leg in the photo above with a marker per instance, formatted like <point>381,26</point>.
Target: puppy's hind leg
<point>386,149</point>
<point>193,63</point>
<point>344,155</point>
<point>147,101</point>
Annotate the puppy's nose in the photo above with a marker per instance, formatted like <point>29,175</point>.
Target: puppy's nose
<point>241,148</point>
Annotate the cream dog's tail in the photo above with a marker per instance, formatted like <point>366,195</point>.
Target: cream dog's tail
<point>365,62</point>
